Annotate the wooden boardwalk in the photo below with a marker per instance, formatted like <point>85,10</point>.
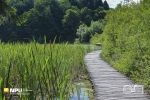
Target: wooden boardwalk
<point>108,83</point>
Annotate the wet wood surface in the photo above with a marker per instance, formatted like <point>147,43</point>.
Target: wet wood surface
<point>108,83</point>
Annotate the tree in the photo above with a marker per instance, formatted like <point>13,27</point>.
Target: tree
<point>64,5</point>
<point>95,27</point>
<point>8,14</point>
<point>85,33</point>
<point>43,21</point>
<point>55,11</point>
<point>98,3</point>
<point>83,3</point>
<point>22,6</point>
<point>74,3</point>
<point>82,33</point>
<point>70,23</point>
<point>10,18</point>
<point>99,13</point>
<point>91,4</point>
<point>86,15</point>
<point>105,5</point>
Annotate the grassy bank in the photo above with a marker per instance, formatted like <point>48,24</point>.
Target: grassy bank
<point>48,70</point>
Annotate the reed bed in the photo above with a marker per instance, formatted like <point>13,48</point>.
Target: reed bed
<point>48,69</point>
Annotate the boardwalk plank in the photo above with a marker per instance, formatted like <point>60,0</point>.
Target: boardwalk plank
<point>108,83</point>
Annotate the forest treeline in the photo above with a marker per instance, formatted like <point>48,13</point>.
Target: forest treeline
<point>125,40</point>
<point>68,20</point>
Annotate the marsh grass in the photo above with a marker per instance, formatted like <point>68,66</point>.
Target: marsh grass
<point>49,70</point>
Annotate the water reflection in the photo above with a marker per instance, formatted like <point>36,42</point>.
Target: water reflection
<point>82,91</point>
<point>82,96</point>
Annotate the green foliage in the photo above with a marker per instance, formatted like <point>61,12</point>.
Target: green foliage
<point>85,33</point>
<point>142,76</point>
<point>125,40</point>
<point>95,39</point>
<point>77,41</point>
<point>22,6</point>
<point>8,14</point>
<point>82,33</point>
<point>42,16</point>
<point>86,15</point>
<point>99,13</point>
<point>95,27</point>
<point>65,4</point>
<point>70,23</point>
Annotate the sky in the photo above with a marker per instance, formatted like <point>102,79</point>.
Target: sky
<point>113,3</point>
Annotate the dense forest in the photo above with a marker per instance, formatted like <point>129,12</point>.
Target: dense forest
<point>68,20</point>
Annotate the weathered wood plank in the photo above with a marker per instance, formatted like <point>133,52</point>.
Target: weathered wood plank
<point>108,83</point>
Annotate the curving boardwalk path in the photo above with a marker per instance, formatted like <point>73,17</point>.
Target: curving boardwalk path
<point>108,83</point>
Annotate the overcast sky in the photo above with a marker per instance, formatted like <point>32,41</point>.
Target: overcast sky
<point>113,3</point>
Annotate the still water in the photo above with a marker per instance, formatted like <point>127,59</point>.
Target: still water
<point>82,91</point>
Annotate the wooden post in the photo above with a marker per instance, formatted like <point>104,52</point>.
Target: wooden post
<point>98,44</point>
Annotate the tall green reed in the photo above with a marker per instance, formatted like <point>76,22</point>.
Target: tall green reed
<point>47,69</point>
